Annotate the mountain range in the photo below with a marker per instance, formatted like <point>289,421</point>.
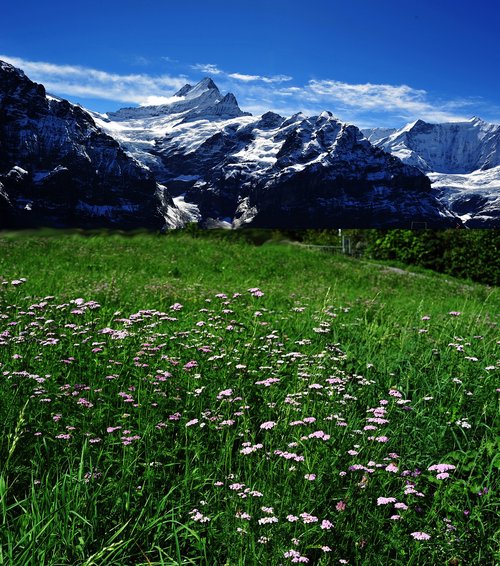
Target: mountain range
<point>200,158</point>
<point>462,159</point>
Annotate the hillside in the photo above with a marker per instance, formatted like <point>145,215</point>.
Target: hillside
<point>181,400</point>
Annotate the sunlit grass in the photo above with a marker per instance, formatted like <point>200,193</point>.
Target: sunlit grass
<point>168,400</point>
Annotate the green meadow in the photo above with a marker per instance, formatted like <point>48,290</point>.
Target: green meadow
<point>181,400</point>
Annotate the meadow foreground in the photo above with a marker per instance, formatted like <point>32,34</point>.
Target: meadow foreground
<point>171,400</point>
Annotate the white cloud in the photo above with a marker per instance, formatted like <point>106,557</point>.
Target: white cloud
<point>211,69</point>
<point>252,78</point>
<point>84,82</point>
<point>364,104</point>
<point>401,99</point>
<point>349,101</point>
<point>207,69</point>
<point>158,100</point>
<point>244,78</point>
<point>141,61</point>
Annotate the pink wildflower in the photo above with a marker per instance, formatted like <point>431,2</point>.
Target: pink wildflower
<point>394,393</point>
<point>267,520</point>
<point>326,525</point>
<point>340,506</point>
<point>385,500</point>
<point>420,536</point>
<point>224,393</point>
<point>307,518</point>
<point>198,517</point>
<point>441,468</point>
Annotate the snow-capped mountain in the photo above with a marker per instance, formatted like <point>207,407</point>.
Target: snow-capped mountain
<point>204,99</point>
<point>374,135</point>
<point>61,165</point>
<point>138,130</point>
<point>462,159</point>
<point>234,169</point>
<point>58,168</point>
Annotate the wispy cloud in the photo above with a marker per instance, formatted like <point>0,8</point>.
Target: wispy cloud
<point>251,78</point>
<point>84,82</point>
<point>211,69</point>
<point>364,104</point>
<point>207,69</point>
<point>140,61</point>
<point>401,100</point>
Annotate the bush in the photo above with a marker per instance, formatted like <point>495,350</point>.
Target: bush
<point>469,254</point>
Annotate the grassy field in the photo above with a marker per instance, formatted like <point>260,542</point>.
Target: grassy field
<point>178,400</point>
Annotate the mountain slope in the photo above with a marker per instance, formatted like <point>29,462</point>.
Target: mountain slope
<point>58,168</point>
<point>374,135</point>
<point>462,159</point>
<point>454,147</point>
<point>270,171</point>
<point>63,166</point>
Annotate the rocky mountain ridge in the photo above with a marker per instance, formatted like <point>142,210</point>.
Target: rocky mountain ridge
<point>462,159</point>
<point>239,170</point>
<point>59,169</point>
<point>61,165</point>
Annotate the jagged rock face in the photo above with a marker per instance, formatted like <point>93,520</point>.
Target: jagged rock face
<point>374,135</point>
<point>204,99</point>
<point>462,160</point>
<point>59,169</point>
<point>452,148</point>
<point>300,172</point>
<point>308,171</point>
<point>6,209</point>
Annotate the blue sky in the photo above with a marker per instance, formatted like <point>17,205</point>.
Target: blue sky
<point>370,62</point>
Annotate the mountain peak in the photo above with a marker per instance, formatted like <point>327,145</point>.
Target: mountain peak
<point>419,124</point>
<point>227,107</point>
<point>229,99</point>
<point>476,120</point>
<point>207,82</point>
<point>8,68</point>
<point>206,85</point>
<point>415,127</point>
<point>184,90</point>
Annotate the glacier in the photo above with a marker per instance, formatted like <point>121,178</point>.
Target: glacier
<point>198,157</point>
<point>270,171</point>
<point>462,160</point>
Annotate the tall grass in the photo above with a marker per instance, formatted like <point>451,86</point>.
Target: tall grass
<point>168,400</point>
